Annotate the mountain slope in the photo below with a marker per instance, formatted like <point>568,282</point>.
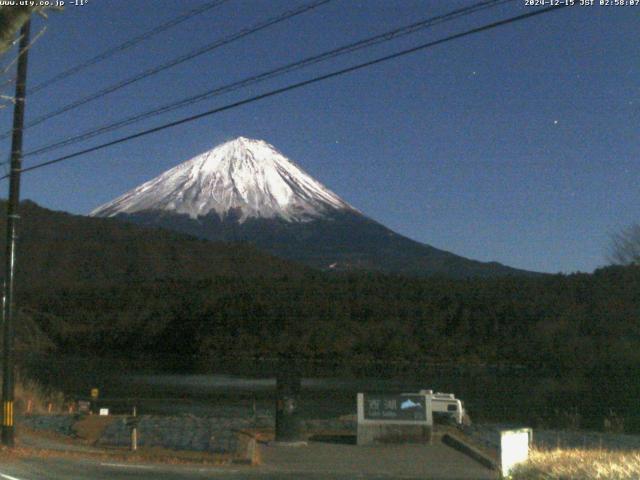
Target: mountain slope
<point>246,191</point>
<point>56,248</point>
<point>342,241</point>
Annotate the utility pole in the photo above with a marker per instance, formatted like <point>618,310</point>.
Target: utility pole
<point>288,385</point>
<point>8,367</point>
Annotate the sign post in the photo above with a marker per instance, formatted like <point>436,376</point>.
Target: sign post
<point>132,423</point>
<point>93,406</point>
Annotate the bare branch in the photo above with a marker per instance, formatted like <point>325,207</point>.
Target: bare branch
<point>28,47</point>
<point>625,246</point>
<point>11,20</point>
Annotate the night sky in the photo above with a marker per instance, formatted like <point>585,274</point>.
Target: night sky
<point>520,144</point>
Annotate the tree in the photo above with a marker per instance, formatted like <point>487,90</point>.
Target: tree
<point>12,17</point>
<point>625,246</point>
<point>11,20</point>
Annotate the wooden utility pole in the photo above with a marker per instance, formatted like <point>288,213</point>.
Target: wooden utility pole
<point>8,367</point>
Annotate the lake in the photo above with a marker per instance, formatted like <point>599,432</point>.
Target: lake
<point>490,394</point>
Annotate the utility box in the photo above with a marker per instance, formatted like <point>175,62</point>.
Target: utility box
<point>394,418</point>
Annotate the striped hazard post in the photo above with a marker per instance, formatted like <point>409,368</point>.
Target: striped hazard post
<point>7,413</point>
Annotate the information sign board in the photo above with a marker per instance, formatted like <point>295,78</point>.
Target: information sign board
<point>395,407</point>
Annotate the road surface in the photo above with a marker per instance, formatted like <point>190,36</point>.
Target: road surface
<point>317,461</point>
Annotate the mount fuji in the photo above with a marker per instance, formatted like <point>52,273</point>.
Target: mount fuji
<point>247,191</point>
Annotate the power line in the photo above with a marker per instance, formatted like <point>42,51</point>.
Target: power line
<point>294,86</point>
<point>350,48</point>
<point>126,45</point>
<point>176,61</point>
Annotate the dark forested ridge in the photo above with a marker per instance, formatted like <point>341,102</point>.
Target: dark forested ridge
<point>558,323</point>
<point>97,285</point>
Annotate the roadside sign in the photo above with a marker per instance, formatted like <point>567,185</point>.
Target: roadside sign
<point>94,393</point>
<point>400,417</point>
<point>386,407</point>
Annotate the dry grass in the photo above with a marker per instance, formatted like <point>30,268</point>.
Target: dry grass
<point>579,464</point>
<point>30,395</point>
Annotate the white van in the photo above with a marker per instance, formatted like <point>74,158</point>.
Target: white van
<point>445,405</point>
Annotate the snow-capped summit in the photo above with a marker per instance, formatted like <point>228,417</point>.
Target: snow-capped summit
<point>244,177</point>
<point>246,191</point>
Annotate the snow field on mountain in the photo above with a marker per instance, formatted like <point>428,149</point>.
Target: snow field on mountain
<point>247,177</point>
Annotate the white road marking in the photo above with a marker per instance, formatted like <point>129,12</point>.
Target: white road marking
<point>212,470</point>
<point>125,465</point>
<point>8,477</point>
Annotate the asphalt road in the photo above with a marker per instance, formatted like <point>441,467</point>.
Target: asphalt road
<point>314,462</point>
<point>68,469</point>
<point>435,461</point>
